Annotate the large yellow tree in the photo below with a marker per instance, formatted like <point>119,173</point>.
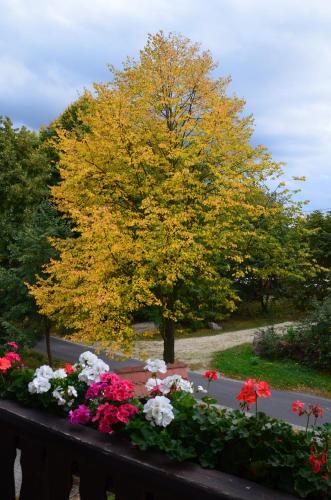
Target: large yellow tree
<point>160,188</point>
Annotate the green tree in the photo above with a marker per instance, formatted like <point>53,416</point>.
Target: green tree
<point>318,238</point>
<point>279,259</point>
<point>28,219</point>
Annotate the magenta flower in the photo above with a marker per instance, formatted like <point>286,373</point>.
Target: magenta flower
<point>94,390</point>
<point>13,345</point>
<point>81,415</point>
<point>13,356</point>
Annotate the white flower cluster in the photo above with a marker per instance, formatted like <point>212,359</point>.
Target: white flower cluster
<point>41,381</point>
<point>173,382</point>
<point>59,394</point>
<point>92,368</point>
<point>41,384</point>
<point>156,365</point>
<point>176,382</point>
<point>159,411</point>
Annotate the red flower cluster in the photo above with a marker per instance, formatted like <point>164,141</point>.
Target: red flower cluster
<point>4,364</point>
<point>9,358</point>
<point>300,409</point>
<point>68,368</point>
<point>252,389</point>
<point>210,375</point>
<point>317,461</point>
<point>109,415</point>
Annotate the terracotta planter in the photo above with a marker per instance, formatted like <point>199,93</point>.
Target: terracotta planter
<point>138,376</point>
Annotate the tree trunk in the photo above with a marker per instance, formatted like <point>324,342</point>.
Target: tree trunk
<point>47,327</point>
<point>169,341</point>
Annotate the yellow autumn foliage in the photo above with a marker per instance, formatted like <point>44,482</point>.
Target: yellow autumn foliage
<point>160,189</point>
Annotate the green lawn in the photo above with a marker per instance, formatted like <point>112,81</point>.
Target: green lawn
<point>241,363</point>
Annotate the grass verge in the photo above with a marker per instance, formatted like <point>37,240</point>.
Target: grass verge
<point>241,363</point>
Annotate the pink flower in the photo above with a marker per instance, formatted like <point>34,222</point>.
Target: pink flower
<point>13,345</point>
<point>109,377</point>
<point>119,390</point>
<point>81,415</point>
<point>13,356</point>
<point>126,411</point>
<point>298,407</point>
<point>109,415</point>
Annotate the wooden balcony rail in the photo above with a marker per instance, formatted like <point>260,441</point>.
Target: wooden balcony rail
<point>52,451</point>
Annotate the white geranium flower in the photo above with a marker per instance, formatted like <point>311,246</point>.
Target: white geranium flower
<point>58,395</point>
<point>91,374</point>
<point>176,382</point>
<point>201,389</point>
<point>60,373</point>
<point>158,410</point>
<point>39,385</point>
<point>87,375</point>
<point>44,371</point>
<point>88,358</point>
<point>156,365</point>
<point>152,383</point>
<point>72,391</point>
<point>100,366</point>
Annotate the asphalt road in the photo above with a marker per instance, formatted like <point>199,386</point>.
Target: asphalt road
<point>224,389</point>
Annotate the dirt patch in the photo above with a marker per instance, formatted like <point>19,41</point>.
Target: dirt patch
<point>198,351</point>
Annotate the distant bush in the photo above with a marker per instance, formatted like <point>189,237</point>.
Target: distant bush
<point>309,342</point>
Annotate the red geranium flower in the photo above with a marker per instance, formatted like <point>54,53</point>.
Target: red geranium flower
<point>68,368</point>
<point>298,407</point>
<point>262,389</point>
<point>317,411</point>
<point>4,364</point>
<point>317,462</point>
<point>210,375</point>
<point>247,393</point>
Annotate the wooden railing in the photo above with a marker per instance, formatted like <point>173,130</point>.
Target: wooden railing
<point>53,451</point>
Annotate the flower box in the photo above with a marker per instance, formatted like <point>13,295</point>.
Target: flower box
<point>52,451</point>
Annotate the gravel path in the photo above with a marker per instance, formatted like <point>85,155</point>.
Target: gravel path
<point>198,351</point>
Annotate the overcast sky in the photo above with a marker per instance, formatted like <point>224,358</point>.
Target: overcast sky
<point>278,53</point>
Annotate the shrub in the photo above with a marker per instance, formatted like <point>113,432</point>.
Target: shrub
<point>308,343</point>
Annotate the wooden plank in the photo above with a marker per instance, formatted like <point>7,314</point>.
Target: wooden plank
<point>93,481</point>
<point>34,478</point>
<point>58,465</point>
